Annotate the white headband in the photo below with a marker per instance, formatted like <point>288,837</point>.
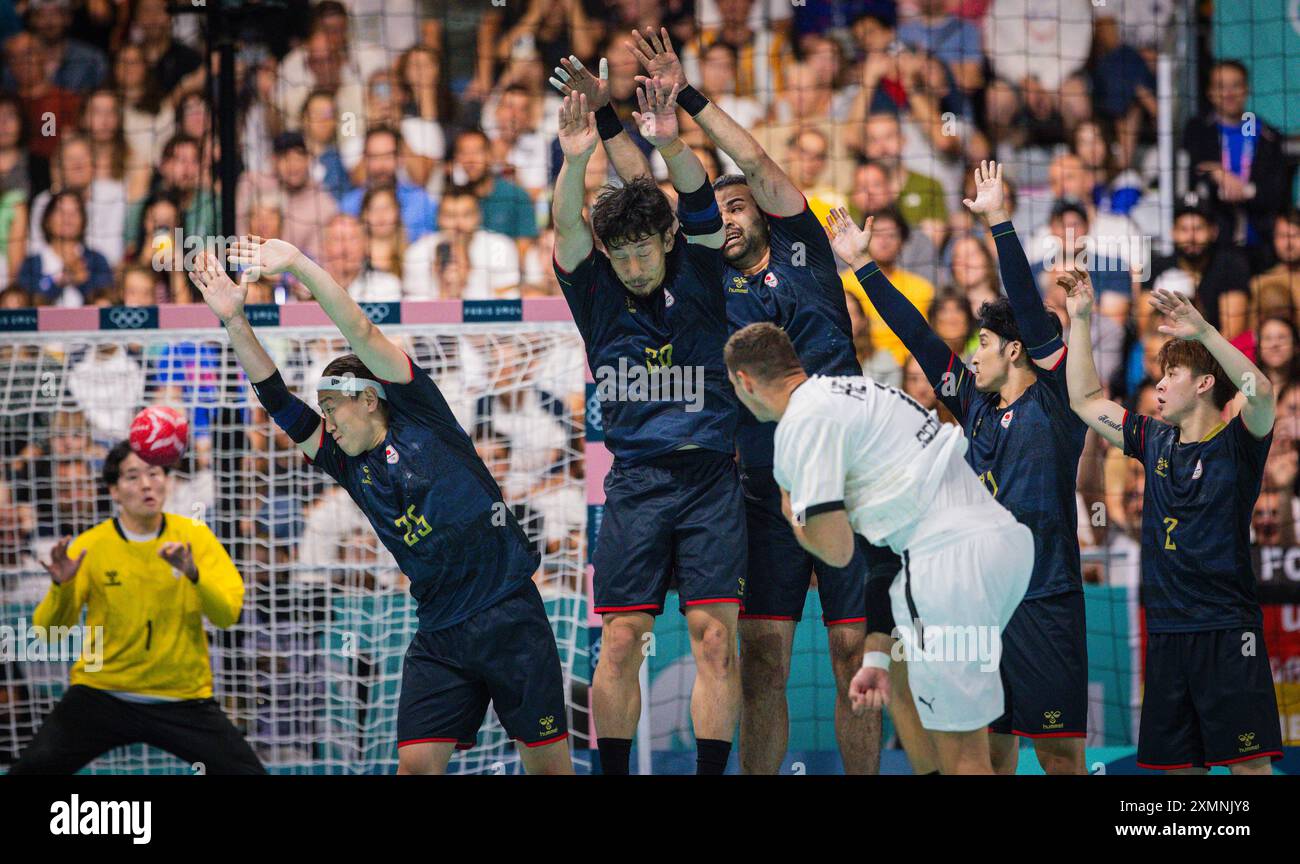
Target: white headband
<point>349,384</point>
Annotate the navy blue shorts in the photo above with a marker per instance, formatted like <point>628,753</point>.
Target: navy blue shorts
<point>675,521</point>
<point>780,570</point>
<point>505,655</point>
<point>1044,669</point>
<point>1207,701</point>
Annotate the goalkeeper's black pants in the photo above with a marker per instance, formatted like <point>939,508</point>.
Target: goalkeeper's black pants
<point>88,723</point>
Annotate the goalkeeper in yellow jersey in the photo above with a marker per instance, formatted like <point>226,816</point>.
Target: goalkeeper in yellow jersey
<point>146,579</point>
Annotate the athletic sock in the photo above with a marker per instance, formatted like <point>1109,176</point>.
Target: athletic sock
<point>933,773</point>
<point>711,755</point>
<point>614,754</point>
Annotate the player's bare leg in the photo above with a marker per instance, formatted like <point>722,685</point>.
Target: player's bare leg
<point>1060,755</point>
<point>1262,765</point>
<point>715,699</point>
<point>916,741</point>
<point>963,752</point>
<point>765,649</point>
<point>552,758</point>
<point>427,757</point>
<point>858,736</point>
<point>1005,752</point>
<point>615,690</point>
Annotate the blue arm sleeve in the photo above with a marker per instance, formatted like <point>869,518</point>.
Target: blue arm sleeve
<point>1033,319</point>
<point>698,211</point>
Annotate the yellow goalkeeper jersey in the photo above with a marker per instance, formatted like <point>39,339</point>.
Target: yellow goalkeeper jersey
<point>153,642</point>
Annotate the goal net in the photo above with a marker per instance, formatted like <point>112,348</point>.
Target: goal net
<point>312,671</point>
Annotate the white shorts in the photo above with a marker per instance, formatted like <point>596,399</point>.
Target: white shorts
<point>963,589</point>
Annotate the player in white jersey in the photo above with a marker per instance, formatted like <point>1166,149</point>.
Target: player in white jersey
<point>854,455</point>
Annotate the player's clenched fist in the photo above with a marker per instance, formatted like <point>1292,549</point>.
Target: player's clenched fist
<point>869,689</point>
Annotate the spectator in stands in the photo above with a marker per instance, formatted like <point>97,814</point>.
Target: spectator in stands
<point>179,176</point>
<point>101,123</point>
<point>65,271</point>
<point>426,110</point>
<point>871,192</point>
<point>328,60</point>
<point>718,82</point>
<point>875,36</point>
<point>194,120</point>
<point>556,29</point>
<point>135,283</point>
<point>1124,81</point>
<point>887,241</point>
<point>506,208</point>
<point>953,40</point>
<point>1237,161</point>
<point>973,271</point>
<point>1277,343</point>
<point>320,127</point>
<point>16,525</point>
<point>46,106</point>
<point>1217,277</point>
<point>950,317</point>
<point>154,247</point>
<point>807,158</point>
<point>109,387</point>
<point>919,198</point>
<point>305,206</point>
<point>383,146</point>
<point>147,123</point>
<point>73,169</point>
<point>1069,242</point>
<point>520,151</point>
<point>490,259</point>
<point>1114,189</point>
<point>344,257</point>
<point>876,364</point>
<point>1277,290</point>
<point>172,64</point>
<point>1070,180</point>
<point>381,217</point>
<point>762,53</point>
<point>78,67</point>
<point>15,168</point>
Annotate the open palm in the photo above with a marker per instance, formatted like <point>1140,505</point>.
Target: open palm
<point>262,257</point>
<point>577,127</point>
<point>223,296</point>
<point>655,51</point>
<point>573,77</point>
<point>1182,319</point>
<point>848,240</point>
<point>988,188</point>
<point>657,118</point>
<point>1079,295</point>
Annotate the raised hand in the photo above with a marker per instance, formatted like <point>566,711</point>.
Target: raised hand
<point>577,127</point>
<point>1184,321</point>
<point>657,118</point>
<point>655,51</point>
<point>848,240</point>
<point>988,189</point>
<point>869,689</point>
<point>224,297</point>
<point>572,77</point>
<point>61,568</point>
<point>180,556</point>
<point>262,257</point>
<point>1079,294</point>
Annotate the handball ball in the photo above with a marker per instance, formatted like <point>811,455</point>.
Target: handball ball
<point>159,435</point>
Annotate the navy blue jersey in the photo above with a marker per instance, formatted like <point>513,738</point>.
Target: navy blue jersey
<point>1027,454</point>
<point>435,506</point>
<point>801,292</point>
<point>677,331</point>
<point>1196,572</point>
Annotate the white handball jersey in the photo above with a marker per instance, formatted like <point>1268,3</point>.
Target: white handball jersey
<point>855,443</point>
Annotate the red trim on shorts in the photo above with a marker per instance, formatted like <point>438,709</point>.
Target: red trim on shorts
<point>455,741</point>
<point>748,617</point>
<point>862,620</point>
<point>713,600</point>
<point>1165,767</point>
<point>601,610</point>
<point>1276,754</point>
<point>554,739</point>
<point>1048,734</point>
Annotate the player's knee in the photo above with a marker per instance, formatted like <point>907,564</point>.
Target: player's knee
<point>621,647</point>
<point>846,654</point>
<point>715,648</point>
<point>415,759</point>
<point>1060,756</point>
<point>764,666</point>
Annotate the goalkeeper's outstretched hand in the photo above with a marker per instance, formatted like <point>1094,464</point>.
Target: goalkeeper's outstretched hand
<point>261,257</point>
<point>223,296</point>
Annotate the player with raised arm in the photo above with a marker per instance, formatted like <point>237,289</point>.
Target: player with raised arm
<point>389,438</point>
<point>1025,445</point>
<point>854,456</point>
<point>1209,697</point>
<point>674,511</point>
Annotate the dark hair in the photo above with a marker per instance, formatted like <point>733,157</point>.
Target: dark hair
<point>1196,358</point>
<point>13,102</point>
<point>383,130</point>
<point>459,191</point>
<point>951,294</point>
<point>162,196</point>
<point>1230,63</point>
<point>471,133</point>
<point>762,350</point>
<point>892,214</point>
<point>350,364</point>
<point>1290,215</point>
<point>326,8</point>
<point>726,180</point>
<point>120,148</point>
<point>180,139</point>
<point>631,212</point>
<point>112,471</point>
<point>48,216</point>
<point>1292,368</point>
<point>997,316</point>
<point>1067,205</point>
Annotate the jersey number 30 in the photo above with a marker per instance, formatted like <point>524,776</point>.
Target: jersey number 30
<point>414,526</point>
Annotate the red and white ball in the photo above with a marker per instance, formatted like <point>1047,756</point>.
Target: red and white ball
<point>159,435</point>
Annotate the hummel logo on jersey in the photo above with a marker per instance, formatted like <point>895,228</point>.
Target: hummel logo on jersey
<point>1247,740</point>
<point>1052,720</point>
<point>1162,465</point>
<point>366,479</point>
<point>548,724</point>
<point>1006,419</point>
<point>739,285</point>
<point>390,454</point>
<point>928,703</point>
<point>110,578</point>
<point>1196,475</point>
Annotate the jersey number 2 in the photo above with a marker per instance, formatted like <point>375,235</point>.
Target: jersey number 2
<point>414,526</point>
<point>1170,524</point>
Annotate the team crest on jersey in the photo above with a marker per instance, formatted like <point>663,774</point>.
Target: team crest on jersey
<point>668,298</point>
<point>1196,475</point>
<point>770,280</point>
<point>390,453</point>
<point>1006,419</point>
